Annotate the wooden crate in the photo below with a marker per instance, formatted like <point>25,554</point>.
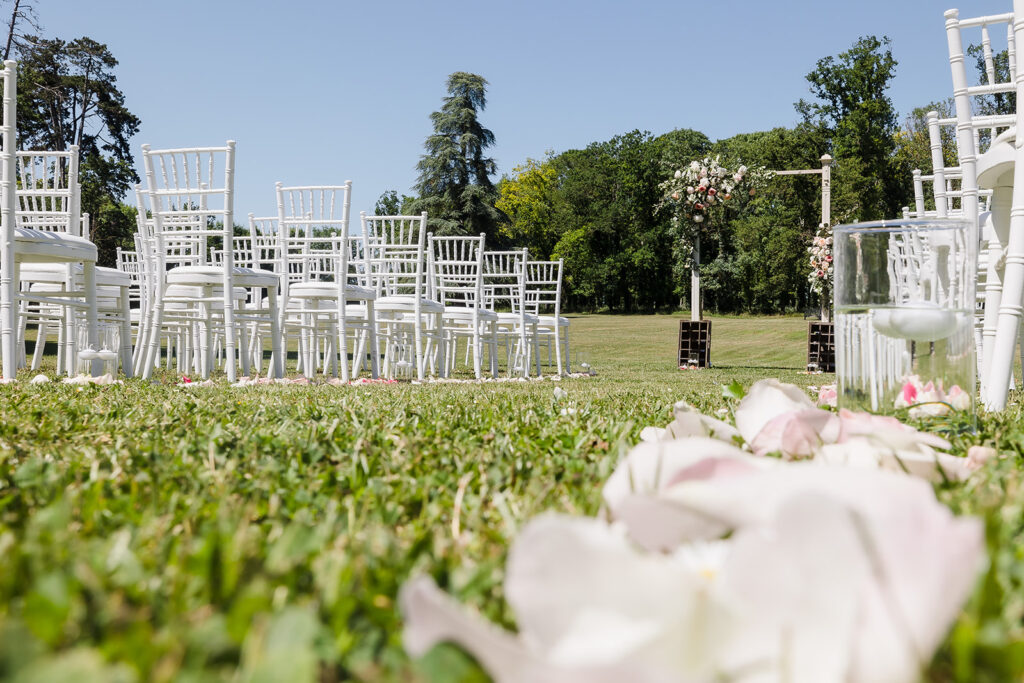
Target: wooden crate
<point>694,343</point>
<point>821,347</point>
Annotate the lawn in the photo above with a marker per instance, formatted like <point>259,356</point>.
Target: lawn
<point>153,532</point>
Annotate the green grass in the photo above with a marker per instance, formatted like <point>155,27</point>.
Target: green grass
<point>153,532</point>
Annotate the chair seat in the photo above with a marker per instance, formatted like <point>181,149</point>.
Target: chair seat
<point>465,314</point>
<point>549,321</point>
<point>214,275</point>
<point>998,160</point>
<point>44,246</point>
<point>510,318</point>
<point>57,272</point>
<point>402,303</point>
<point>329,290</point>
<point>196,292</point>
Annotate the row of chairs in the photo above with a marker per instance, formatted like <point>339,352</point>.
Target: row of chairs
<point>395,298</point>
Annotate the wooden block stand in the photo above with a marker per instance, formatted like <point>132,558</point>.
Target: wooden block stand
<point>821,347</point>
<point>694,343</point>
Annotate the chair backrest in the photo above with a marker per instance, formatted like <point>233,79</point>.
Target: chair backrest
<point>129,262</point>
<point>504,279</point>
<point>264,237</point>
<point>49,196</point>
<point>968,123</point>
<point>312,223</point>
<point>544,287</point>
<point>456,266</point>
<point>394,247</point>
<point>191,197</point>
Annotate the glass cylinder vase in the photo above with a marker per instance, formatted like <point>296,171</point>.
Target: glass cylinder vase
<point>904,316</point>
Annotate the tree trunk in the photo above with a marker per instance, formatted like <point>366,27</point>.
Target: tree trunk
<point>695,303</point>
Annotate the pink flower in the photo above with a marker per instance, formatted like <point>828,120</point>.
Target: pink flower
<point>185,380</point>
<point>712,191</point>
<point>797,434</point>
<point>827,395</point>
<point>909,393</point>
<point>958,398</point>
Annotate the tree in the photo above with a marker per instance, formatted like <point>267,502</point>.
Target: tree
<point>859,122</point>
<point>454,185</point>
<point>68,95</point>
<point>390,204</point>
<point>531,201</point>
<point>23,15</point>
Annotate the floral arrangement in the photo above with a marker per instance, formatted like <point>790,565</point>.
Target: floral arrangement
<point>712,562</point>
<point>694,191</point>
<point>821,261</point>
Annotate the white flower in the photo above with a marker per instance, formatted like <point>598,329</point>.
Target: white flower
<point>829,575</point>
<point>679,174</point>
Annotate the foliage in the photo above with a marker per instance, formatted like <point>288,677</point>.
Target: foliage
<point>390,204</point>
<point>994,103</point>
<point>533,205</point>
<point>858,121</point>
<point>913,144</point>
<point>68,95</point>
<point>454,185</point>
<point>150,532</point>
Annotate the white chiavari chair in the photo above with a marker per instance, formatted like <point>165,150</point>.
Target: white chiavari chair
<point>993,169</point>
<point>191,195</point>
<point>505,293</point>
<point>409,321</point>
<point>317,279</point>
<point>456,281</point>
<point>544,300</point>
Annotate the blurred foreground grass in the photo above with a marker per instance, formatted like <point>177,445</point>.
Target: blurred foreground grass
<point>151,532</point>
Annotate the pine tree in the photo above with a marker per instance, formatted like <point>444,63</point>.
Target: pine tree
<point>455,185</point>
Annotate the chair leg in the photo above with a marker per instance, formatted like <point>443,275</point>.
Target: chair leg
<point>125,334</point>
<point>92,320</point>
<point>276,334</point>
<point>343,340</point>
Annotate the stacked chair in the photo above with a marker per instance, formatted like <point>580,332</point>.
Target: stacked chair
<point>409,321</point>
<point>313,252</point>
<point>40,232</point>
<point>505,288</point>
<point>992,168</point>
<point>456,266</point>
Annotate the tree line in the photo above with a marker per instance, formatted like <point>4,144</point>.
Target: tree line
<point>599,208</point>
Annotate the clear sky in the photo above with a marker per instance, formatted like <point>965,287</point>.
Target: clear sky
<point>318,92</point>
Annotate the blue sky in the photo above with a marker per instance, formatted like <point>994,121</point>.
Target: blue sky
<point>321,92</point>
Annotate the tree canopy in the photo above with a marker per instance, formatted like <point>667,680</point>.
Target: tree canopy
<point>68,95</point>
